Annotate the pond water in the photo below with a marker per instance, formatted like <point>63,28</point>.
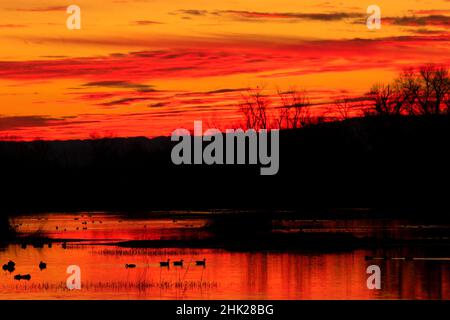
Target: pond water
<point>90,241</point>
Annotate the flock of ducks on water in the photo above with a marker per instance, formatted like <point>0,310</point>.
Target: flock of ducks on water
<point>11,267</point>
<point>84,224</point>
<point>177,263</point>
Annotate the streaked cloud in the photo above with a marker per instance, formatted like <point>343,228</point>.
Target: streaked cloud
<point>429,20</point>
<point>121,84</point>
<point>40,9</point>
<point>21,122</point>
<point>145,22</point>
<point>264,16</point>
<point>229,56</point>
<point>11,26</point>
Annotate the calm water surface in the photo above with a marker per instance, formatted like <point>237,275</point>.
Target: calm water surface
<point>228,275</point>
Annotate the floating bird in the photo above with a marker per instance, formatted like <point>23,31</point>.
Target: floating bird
<point>8,267</point>
<point>24,245</point>
<point>56,227</point>
<point>130,266</point>
<point>24,277</point>
<point>165,263</point>
<point>201,262</point>
<point>42,265</point>
<point>64,245</point>
<point>178,263</point>
<point>50,245</point>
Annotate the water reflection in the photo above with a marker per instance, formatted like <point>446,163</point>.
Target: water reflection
<point>227,275</point>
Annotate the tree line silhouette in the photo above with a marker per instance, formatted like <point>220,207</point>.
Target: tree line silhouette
<point>419,91</point>
<point>422,91</point>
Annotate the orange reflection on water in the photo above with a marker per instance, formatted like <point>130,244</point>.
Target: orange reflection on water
<point>227,275</point>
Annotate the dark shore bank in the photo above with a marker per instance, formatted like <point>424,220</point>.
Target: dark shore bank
<point>394,165</point>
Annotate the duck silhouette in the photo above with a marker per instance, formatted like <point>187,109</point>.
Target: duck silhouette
<point>165,263</point>
<point>130,266</point>
<point>22,277</point>
<point>42,265</point>
<point>8,267</point>
<point>178,263</point>
<point>201,262</point>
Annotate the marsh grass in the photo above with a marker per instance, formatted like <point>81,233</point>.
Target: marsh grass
<point>148,252</point>
<point>117,286</point>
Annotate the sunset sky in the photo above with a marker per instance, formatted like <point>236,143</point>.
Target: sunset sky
<point>147,67</point>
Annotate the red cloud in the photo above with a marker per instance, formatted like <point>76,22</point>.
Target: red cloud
<point>233,56</point>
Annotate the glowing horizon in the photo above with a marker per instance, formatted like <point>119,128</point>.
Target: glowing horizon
<point>145,68</point>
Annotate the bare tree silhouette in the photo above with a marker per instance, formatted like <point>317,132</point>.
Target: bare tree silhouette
<point>419,91</point>
<point>345,108</point>
<point>294,111</point>
<point>388,99</point>
<point>255,109</point>
<point>291,111</point>
<point>424,91</point>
